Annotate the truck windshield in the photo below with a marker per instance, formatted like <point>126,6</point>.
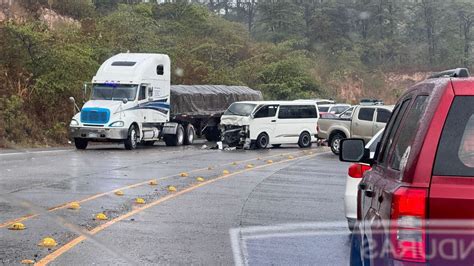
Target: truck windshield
<point>240,109</point>
<point>114,92</point>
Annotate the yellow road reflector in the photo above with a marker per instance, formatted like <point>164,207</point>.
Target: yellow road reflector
<point>225,172</point>
<point>153,183</point>
<point>234,163</point>
<point>101,216</point>
<point>139,201</point>
<point>249,166</point>
<point>74,206</point>
<point>119,193</point>
<point>17,226</point>
<point>171,189</point>
<point>269,161</point>
<point>47,242</point>
<point>184,174</point>
<point>200,179</point>
<point>291,157</point>
<point>27,262</point>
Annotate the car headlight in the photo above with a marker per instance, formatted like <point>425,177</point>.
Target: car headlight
<point>74,123</point>
<point>117,124</point>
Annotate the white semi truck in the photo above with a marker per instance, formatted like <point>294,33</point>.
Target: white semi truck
<point>132,101</point>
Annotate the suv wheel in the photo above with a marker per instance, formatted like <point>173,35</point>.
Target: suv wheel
<point>336,143</point>
<point>305,140</point>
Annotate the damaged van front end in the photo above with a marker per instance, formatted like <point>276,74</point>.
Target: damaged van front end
<point>235,131</point>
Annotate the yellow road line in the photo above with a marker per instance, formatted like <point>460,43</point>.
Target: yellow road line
<point>64,205</point>
<point>68,246</point>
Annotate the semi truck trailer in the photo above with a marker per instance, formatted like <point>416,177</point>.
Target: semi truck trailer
<point>132,101</point>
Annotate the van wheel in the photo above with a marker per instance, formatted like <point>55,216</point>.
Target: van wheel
<point>175,139</point>
<point>262,141</point>
<point>132,139</point>
<point>336,143</point>
<point>81,144</point>
<point>190,133</point>
<point>305,140</point>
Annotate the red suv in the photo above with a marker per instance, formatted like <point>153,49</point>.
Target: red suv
<point>416,205</point>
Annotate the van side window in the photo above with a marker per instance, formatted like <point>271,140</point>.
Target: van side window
<point>366,114</point>
<point>391,129</point>
<point>383,115</point>
<point>297,112</point>
<point>142,93</point>
<point>455,155</point>
<point>266,111</point>
<point>409,128</point>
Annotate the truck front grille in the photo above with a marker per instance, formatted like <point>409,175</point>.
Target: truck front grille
<point>95,115</point>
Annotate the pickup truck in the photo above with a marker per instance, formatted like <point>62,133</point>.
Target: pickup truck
<point>356,122</point>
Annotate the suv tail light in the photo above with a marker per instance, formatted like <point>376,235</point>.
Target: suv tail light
<point>357,170</point>
<point>407,228</point>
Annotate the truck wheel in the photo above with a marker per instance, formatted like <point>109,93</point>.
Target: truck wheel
<point>262,141</point>
<point>336,143</point>
<point>176,139</point>
<point>149,143</point>
<point>305,140</point>
<point>132,139</point>
<point>190,133</point>
<point>81,144</point>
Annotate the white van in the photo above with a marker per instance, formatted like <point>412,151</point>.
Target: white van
<point>260,124</point>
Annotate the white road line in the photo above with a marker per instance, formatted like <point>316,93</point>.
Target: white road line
<point>31,152</point>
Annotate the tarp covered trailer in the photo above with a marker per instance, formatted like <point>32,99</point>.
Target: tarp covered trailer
<point>203,105</point>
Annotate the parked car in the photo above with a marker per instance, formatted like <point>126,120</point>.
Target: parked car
<point>333,108</point>
<point>416,205</point>
<point>360,122</point>
<point>260,124</point>
<point>354,175</point>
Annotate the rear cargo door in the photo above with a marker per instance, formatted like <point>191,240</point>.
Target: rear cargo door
<point>451,198</point>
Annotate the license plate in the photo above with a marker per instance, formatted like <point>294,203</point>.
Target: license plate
<point>93,135</point>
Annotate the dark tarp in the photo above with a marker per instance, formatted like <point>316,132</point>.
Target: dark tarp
<point>203,100</point>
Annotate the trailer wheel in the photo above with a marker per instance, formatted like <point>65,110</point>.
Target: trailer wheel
<point>190,133</point>
<point>81,144</point>
<point>213,134</point>
<point>176,139</point>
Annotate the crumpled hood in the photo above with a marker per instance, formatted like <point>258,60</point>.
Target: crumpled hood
<point>234,120</point>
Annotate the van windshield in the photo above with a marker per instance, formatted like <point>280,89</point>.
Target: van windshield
<point>114,92</point>
<point>240,109</point>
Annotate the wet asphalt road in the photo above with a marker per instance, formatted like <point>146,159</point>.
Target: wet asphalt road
<point>286,212</point>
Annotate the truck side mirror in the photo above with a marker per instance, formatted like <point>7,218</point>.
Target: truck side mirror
<point>354,151</point>
<point>125,100</point>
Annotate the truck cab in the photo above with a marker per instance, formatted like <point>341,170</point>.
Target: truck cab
<point>129,102</point>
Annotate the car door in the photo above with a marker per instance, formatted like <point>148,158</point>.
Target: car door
<point>381,119</point>
<point>363,123</point>
<point>264,120</point>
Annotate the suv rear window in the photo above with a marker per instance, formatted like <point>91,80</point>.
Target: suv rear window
<point>455,156</point>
